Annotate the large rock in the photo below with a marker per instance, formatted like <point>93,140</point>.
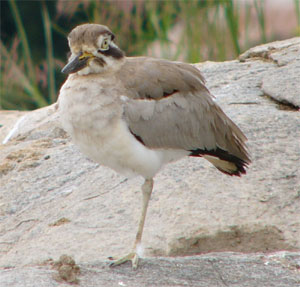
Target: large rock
<point>213,270</point>
<point>54,201</point>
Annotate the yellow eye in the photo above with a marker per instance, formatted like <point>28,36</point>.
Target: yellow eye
<point>105,44</point>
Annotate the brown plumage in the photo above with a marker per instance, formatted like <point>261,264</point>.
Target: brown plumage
<point>87,34</point>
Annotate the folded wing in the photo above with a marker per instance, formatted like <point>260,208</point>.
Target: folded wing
<point>169,107</point>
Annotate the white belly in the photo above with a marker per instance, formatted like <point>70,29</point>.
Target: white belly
<point>118,149</point>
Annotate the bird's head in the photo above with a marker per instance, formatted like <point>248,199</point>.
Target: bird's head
<point>93,50</point>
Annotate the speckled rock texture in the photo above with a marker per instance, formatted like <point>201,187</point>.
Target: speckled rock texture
<point>54,201</point>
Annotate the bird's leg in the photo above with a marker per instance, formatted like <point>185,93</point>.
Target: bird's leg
<point>133,256</point>
<point>147,190</point>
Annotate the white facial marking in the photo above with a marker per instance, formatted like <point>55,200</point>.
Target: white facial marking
<point>101,38</point>
<point>95,68</point>
<point>114,45</point>
<point>84,71</point>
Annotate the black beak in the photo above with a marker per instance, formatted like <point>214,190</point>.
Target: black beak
<point>78,63</point>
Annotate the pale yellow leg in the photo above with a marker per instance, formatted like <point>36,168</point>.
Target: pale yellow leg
<point>133,256</point>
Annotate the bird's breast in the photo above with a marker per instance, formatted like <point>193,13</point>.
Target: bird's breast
<point>91,114</point>
<point>88,103</point>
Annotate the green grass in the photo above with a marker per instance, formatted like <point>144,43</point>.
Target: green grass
<point>261,19</point>
<point>297,10</point>
<point>32,57</point>
<point>28,77</point>
<point>50,55</point>
<point>232,19</point>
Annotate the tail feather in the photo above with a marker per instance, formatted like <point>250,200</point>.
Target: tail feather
<point>223,161</point>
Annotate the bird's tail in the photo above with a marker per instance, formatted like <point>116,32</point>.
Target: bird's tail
<point>230,154</point>
<point>224,161</point>
<point>228,167</point>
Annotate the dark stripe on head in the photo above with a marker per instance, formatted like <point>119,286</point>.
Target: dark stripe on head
<point>113,52</point>
<point>112,36</point>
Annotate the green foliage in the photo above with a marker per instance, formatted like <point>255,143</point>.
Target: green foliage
<point>50,55</point>
<point>297,9</point>
<point>34,47</point>
<point>261,19</point>
<point>233,23</point>
<point>29,81</point>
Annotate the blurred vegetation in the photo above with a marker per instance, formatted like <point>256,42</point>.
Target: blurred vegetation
<point>33,45</point>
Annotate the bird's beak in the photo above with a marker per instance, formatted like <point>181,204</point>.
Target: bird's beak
<point>77,63</point>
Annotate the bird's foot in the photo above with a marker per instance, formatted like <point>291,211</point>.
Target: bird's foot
<point>133,257</point>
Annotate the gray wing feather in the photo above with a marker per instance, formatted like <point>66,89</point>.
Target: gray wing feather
<point>172,122</point>
<point>186,119</point>
<point>151,78</point>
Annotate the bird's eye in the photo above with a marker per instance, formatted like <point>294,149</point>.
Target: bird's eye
<point>104,45</point>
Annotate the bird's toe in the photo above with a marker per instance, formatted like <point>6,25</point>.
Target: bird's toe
<point>133,257</point>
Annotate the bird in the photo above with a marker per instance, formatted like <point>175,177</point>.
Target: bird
<point>137,114</point>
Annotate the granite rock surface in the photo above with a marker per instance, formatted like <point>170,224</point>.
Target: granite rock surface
<point>55,201</point>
